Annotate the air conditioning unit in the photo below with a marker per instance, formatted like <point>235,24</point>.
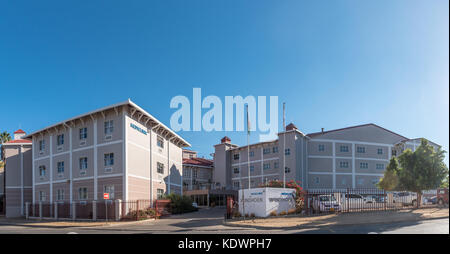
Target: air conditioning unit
<point>41,152</point>
<point>108,137</point>
<point>59,148</point>
<point>108,170</point>
<point>82,143</point>
<point>82,173</point>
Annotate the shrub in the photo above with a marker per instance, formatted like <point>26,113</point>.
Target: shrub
<point>273,213</point>
<point>283,213</point>
<point>180,204</point>
<point>236,214</point>
<point>252,215</point>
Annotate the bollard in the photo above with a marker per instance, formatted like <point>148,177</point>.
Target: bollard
<point>56,210</point>
<point>94,210</point>
<point>74,215</point>
<point>27,208</point>
<point>40,210</point>
<point>117,209</point>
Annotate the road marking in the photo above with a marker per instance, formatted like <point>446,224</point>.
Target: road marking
<point>72,233</point>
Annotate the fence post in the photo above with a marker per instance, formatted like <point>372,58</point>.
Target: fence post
<point>137,210</point>
<point>94,210</point>
<point>117,209</point>
<point>40,210</point>
<point>56,210</point>
<point>74,210</point>
<point>384,199</point>
<point>27,210</point>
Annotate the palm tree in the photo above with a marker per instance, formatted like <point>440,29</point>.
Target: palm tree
<point>4,137</point>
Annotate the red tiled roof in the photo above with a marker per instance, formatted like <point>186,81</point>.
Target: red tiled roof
<point>198,162</point>
<point>351,127</point>
<point>18,141</point>
<point>19,131</point>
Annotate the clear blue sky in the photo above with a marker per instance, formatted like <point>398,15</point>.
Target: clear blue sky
<point>334,63</point>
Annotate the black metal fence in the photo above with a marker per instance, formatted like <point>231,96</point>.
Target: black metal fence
<point>99,210</point>
<point>360,200</point>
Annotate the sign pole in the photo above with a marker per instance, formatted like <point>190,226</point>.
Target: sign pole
<point>284,148</point>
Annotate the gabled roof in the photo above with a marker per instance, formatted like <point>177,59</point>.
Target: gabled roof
<point>128,102</point>
<point>351,127</point>
<point>19,131</point>
<point>17,141</point>
<point>198,162</point>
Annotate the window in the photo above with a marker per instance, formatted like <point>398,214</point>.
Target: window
<point>321,148</point>
<point>160,168</point>
<point>360,181</point>
<point>42,196</point>
<point>236,156</point>
<point>252,168</point>
<point>275,164</point>
<point>316,180</point>
<point>159,193</point>
<point>275,149</point>
<point>160,142</point>
<point>83,133</point>
<point>83,163</point>
<point>361,149</point>
<point>287,151</point>
<point>236,185</point>
<point>41,170</point>
<point>379,151</point>
<point>394,152</point>
<point>344,149</point>
<point>82,193</point>
<point>266,150</point>
<point>109,189</point>
<point>380,166</point>
<point>109,159</point>
<point>41,145</point>
<point>343,164</point>
<point>375,181</point>
<point>60,194</point>
<point>60,166</point>
<point>363,165</point>
<point>236,170</point>
<point>344,181</point>
<point>287,170</point>
<point>266,166</point>
<point>194,173</point>
<point>252,153</point>
<point>60,140</point>
<point>109,127</point>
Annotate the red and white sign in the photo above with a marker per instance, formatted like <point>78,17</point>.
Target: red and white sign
<point>105,195</point>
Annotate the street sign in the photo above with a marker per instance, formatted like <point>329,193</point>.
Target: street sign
<point>105,195</point>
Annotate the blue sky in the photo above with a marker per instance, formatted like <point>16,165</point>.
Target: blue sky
<point>334,63</point>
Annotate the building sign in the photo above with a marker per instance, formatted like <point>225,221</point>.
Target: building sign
<point>138,128</point>
<point>105,195</point>
<point>263,201</point>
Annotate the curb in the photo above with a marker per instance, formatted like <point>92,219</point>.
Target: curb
<point>311,225</point>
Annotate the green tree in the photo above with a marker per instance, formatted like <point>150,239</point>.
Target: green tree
<point>4,137</point>
<point>389,181</point>
<point>423,169</point>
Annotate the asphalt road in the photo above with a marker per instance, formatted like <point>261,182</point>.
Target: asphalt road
<point>209,221</point>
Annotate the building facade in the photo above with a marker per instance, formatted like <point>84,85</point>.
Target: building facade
<point>197,172</point>
<point>17,174</point>
<point>353,157</point>
<point>120,149</point>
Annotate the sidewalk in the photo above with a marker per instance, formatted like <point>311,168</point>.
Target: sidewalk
<point>64,224</point>
<point>342,219</point>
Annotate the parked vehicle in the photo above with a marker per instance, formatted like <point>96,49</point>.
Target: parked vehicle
<point>195,205</point>
<point>430,200</point>
<point>356,201</point>
<point>325,203</point>
<point>442,196</point>
<point>405,198</point>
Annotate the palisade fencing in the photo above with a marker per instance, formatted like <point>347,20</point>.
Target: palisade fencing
<point>361,200</point>
<point>116,210</point>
